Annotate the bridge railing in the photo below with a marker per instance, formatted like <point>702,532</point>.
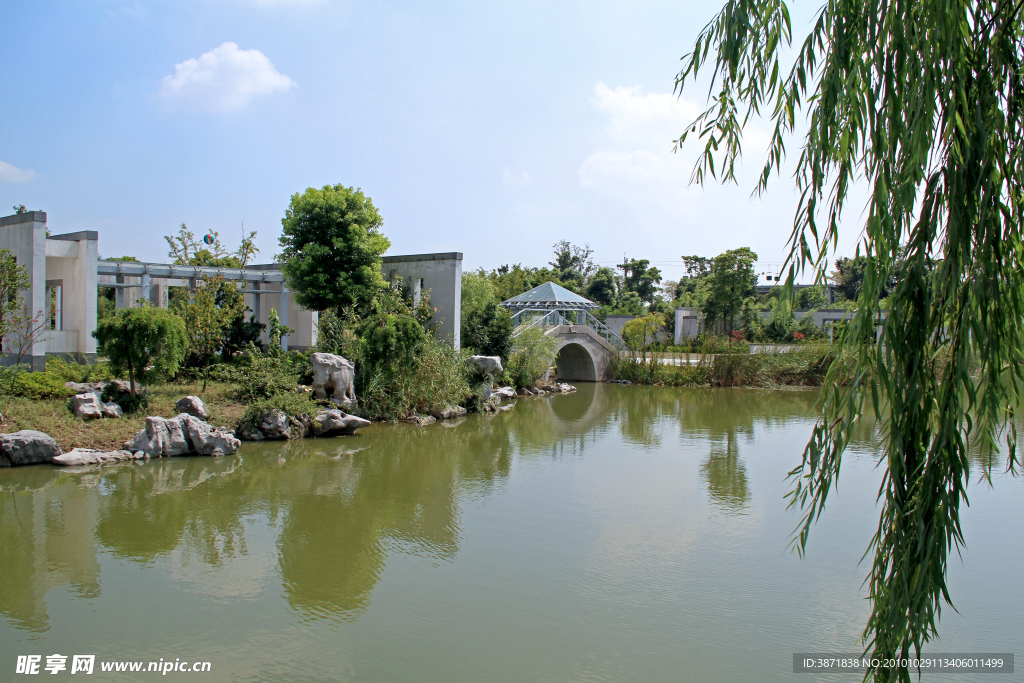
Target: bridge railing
<point>545,319</point>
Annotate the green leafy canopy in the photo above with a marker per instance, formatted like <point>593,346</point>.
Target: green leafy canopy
<point>332,249</point>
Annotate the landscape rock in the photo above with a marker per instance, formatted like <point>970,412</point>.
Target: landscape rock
<point>86,387</point>
<point>192,405</point>
<point>505,392</point>
<point>523,391</point>
<point>111,409</point>
<point>485,366</point>
<point>182,435</point>
<point>274,425</point>
<point>336,423</point>
<point>448,412</point>
<point>88,456</point>
<point>333,373</point>
<point>86,406</point>
<point>485,392</point>
<point>124,387</point>
<point>27,447</point>
<point>249,432</point>
<point>421,420</point>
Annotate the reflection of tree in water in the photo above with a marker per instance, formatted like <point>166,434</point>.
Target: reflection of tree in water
<point>45,541</point>
<point>726,477</point>
<point>347,513</point>
<point>154,508</point>
<point>339,507</point>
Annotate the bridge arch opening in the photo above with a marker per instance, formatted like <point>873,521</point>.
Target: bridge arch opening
<point>574,362</point>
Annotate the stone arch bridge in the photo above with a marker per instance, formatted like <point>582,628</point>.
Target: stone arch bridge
<point>586,347</point>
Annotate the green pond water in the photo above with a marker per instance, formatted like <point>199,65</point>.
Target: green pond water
<point>621,533</point>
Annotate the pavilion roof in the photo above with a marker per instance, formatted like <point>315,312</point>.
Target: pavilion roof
<point>549,295</point>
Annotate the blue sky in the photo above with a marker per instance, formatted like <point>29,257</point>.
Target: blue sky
<point>494,129</point>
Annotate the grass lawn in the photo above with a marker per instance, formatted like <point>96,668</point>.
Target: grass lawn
<point>53,417</point>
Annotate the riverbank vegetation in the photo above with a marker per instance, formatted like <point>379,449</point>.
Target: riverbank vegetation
<point>804,366</point>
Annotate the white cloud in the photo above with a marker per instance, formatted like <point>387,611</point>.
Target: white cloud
<point>12,174</point>
<point>514,179</point>
<point>224,79</point>
<point>636,159</point>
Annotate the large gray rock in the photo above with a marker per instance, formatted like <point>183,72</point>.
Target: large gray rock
<point>334,374</point>
<point>420,420</point>
<point>505,392</point>
<point>27,447</point>
<point>111,409</point>
<point>192,405</point>
<point>274,424</point>
<point>336,423</point>
<point>485,366</point>
<point>124,387</point>
<point>182,435</point>
<point>248,432</point>
<point>86,406</point>
<point>84,387</point>
<point>88,456</point>
<point>449,412</point>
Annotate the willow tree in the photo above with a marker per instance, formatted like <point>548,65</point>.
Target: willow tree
<point>922,101</point>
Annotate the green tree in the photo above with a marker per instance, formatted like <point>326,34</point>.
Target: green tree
<point>276,331</point>
<point>638,277</point>
<point>601,288</point>
<point>922,101</point>
<point>13,281</point>
<point>208,315</point>
<point>572,262</point>
<point>146,342</point>
<point>730,280</point>
<point>477,292</point>
<point>332,248</point>
<point>488,331</point>
<point>640,332</point>
<point>187,251</point>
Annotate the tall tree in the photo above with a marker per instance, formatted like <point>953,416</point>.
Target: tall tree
<point>729,281</point>
<point>572,262</point>
<point>923,101</point>
<point>638,277</point>
<point>601,288</point>
<point>332,248</point>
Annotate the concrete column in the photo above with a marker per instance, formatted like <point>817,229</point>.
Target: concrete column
<point>119,292</point>
<point>146,288</point>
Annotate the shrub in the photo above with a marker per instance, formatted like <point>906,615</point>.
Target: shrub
<point>299,405</point>
<point>488,331</point>
<point>640,332</point>
<point>36,385</point>
<point>263,376</point>
<point>147,342</point>
<point>436,379</point>
<point>389,343</point>
<point>533,354</point>
<point>335,334</point>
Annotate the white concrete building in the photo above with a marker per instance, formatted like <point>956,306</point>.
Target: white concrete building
<point>66,269</point>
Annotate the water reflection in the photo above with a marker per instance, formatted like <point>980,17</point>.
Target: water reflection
<point>726,477</point>
<point>337,509</point>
